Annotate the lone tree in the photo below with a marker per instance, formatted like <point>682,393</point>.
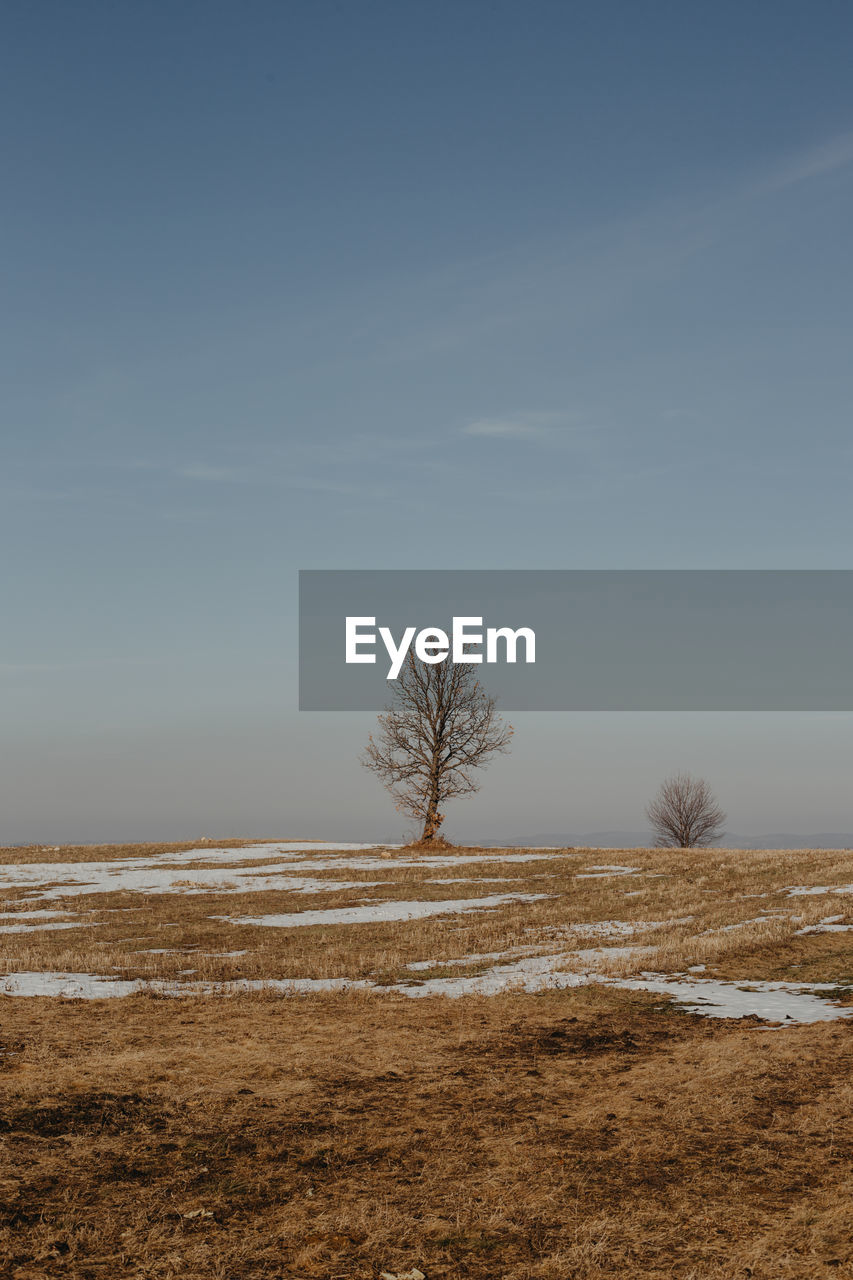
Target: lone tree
<point>441,727</point>
<point>684,814</point>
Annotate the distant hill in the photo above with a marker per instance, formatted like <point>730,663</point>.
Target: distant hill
<point>784,840</point>
<point>643,840</point>
<point>588,840</point>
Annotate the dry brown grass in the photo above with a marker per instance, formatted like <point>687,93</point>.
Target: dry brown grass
<point>580,1134</point>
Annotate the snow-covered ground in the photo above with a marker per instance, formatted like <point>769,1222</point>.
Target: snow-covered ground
<point>35,928</point>
<point>294,867</point>
<point>374,911</point>
<point>786,1003</point>
<point>810,890</point>
<point>169,873</point>
<point>830,924</point>
<point>792,1002</point>
<point>598,873</point>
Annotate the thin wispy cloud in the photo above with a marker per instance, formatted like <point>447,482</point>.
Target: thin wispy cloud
<point>529,425</point>
<point>215,475</point>
<point>276,471</point>
<point>200,472</point>
<point>827,157</point>
<point>612,261</point>
<point>698,228</point>
<point>504,429</point>
<point>552,429</point>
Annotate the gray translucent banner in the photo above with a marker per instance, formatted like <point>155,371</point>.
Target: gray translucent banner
<point>605,640</point>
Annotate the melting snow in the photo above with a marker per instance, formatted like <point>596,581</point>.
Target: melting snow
<point>595,955</point>
<point>779,1002</point>
<point>609,928</point>
<point>88,986</point>
<point>484,879</point>
<point>293,867</point>
<point>377,911</point>
<point>31,915</point>
<point>513,953</point>
<point>48,880</point>
<point>534,973</point>
<point>772,1001</point>
<point>741,924</point>
<point>598,873</point>
<point>111,877</point>
<point>622,928</point>
<point>35,928</point>
<point>831,924</point>
<point>808,890</point>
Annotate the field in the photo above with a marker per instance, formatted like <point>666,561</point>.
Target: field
<point>260,1060</point>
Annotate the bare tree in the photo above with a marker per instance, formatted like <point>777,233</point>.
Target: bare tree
<point>684,814</point>
<point>441,727</point>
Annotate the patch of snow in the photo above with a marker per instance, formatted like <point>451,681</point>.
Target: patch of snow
<point>612,928</point>
<point>50,880</point>
<point>741,924</point>
<point>31,915</point>
<point>422,861</point>
<point>598,873</point>
<point>595,955</point>
<point>485,879</point>
<point>382,911</point>
<point>535,973</point>
<point>155,951</point>
<point>37,928</point>
<point>115,877</point>
<point>807,891</point>
<point>622,928</point>
<point>603,928</point>
<point>606,929</point>
<point>85,986</point>
<point>787,1002</point>
<point>831,924</point>
<point>477,958</point>
<point>617,866</point>
<point>778,1002</point>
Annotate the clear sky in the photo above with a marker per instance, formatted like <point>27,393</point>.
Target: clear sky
<point>404,284</point>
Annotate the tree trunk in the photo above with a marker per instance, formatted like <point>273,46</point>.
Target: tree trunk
<point>433,819</point>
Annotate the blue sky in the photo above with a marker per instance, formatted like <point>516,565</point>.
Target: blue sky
<point>478,285</point>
